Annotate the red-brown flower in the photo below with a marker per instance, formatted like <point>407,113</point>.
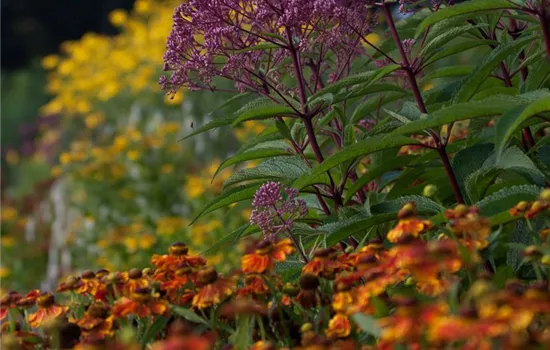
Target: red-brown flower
<point>47,310</point>
<point>141,303</point>
<point>213,288</point>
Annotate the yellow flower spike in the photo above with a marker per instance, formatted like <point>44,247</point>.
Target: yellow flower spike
<point>50,62</point>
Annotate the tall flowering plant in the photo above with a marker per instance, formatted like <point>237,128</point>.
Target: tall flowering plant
<point>380,116</point>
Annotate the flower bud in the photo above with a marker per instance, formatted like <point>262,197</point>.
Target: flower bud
<point>429,191</point>
<point>309,282</point>
<point>545,195</point>
<point>291,289</point>
<point>407,210</point>
<point>135,274</point>
<point>178,248</point>
<point>306,327</point>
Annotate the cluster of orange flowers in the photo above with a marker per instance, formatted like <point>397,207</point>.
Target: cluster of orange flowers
<point>423,285</point>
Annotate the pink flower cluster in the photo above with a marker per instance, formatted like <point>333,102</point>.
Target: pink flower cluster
<point>275,208</point>
<point>249,41</point>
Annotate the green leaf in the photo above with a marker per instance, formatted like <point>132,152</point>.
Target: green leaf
<point>283,128</point>
<point>457,48</point>
<point>230,239</point>
<point>216,123</point>
<point>461,111</point>
<point>340,230</point>
<point>188,315</point>
<point>250,155</point>
<point>243,335</point>
<point>506,198</point>
<point>510,122</point>
<point>469,7</point>
<point>376,171</point>
<point>367,324</point>
<point>424,205</point>
<point>365,77</point>
<point>446,72</point>
<point>285,168</point>
<point>153,330</point>
<point>479,75</point>
<point>231,196</point>
<point>477,183</point>
<point>366,146</point>
<point>449,35</point>
<point>373,103</point>
<point>265,111</point>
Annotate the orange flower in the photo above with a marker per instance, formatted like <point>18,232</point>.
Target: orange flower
<point>412,226</point>
<point>140,303</point>
<point>135,281</point>
<point>471,229</point>
<point>181,337</point>
<point>89,284</point>
<point>254,286</point>
<point>8,301</point>
<point>96,320</point>
<point>338,327</point>
<point>263,345</point>
<point>70,284</point>
<point>47,310</point>
<point>265,255</point>
<point>177,255</point>
<point>325,263</point>
<point>29,299</point>
<point>213,290</point>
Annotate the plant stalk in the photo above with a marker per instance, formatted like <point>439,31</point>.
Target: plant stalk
<point>420,102</point>
<point>545,26</point>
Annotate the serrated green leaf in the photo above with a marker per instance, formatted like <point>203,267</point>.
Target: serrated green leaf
<point>283,128</point>
<point>506,198</point>
<point>510,122</point>
<point>216,123</point>
<point>478,76</point>
<point>424,205</point>
<point>250,155</point>
<point>477,183</point>
<point>364,77</point>
<point>285,168</point>
<point>446,72</point>
<point>376,171</point>
<point>449,35</point>
<point>264,112</point>
<point>457,48</point>
<point>469,7</point>
<point>372,104</point>
<point>362,90</point>
<point>231,196</point>
<point>461,111</point>
<point>366,146</point>
<point>367,324</point>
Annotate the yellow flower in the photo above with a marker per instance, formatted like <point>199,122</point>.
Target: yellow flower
<point>147,241</point>
<point>118,17</point>
<point>4,272</point>
<point>50,62</point>
<point>173,100</point>
<point>8,213</point>
<point>93,120</point>
<point>131,244</point>
<point>372,38</point>
<point>133,154</point>
<point>7,241</point>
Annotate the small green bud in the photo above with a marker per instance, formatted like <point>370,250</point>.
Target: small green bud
<point>429,191</point>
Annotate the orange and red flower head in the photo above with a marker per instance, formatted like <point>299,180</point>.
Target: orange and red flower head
<point>213,288</point>
<point>325,263</point>
<point>141,303</point>
<point>47,310</point>
<point>265,255</point>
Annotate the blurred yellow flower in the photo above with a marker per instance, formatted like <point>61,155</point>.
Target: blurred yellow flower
<point>147,241</point>
<point>372,38</point>
<point>8,213</point>
<point>131,244</point>
<point>4,272</point>
<point>173,100</point>
<point>50,62</point>
<point>118,17</point>
<point>7,241</point>
<point>167,169</point>
<point>93,120</point>
<point>167,226</point>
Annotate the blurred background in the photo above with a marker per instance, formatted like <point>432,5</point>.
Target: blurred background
<point>93,175</point>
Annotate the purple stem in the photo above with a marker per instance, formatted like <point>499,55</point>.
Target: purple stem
<point>420,102</point>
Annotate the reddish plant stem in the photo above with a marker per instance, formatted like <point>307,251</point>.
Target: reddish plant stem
<point>420,102</point>
<point>307,117</point>
<point>545,26</point>
<point>291,236</point>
